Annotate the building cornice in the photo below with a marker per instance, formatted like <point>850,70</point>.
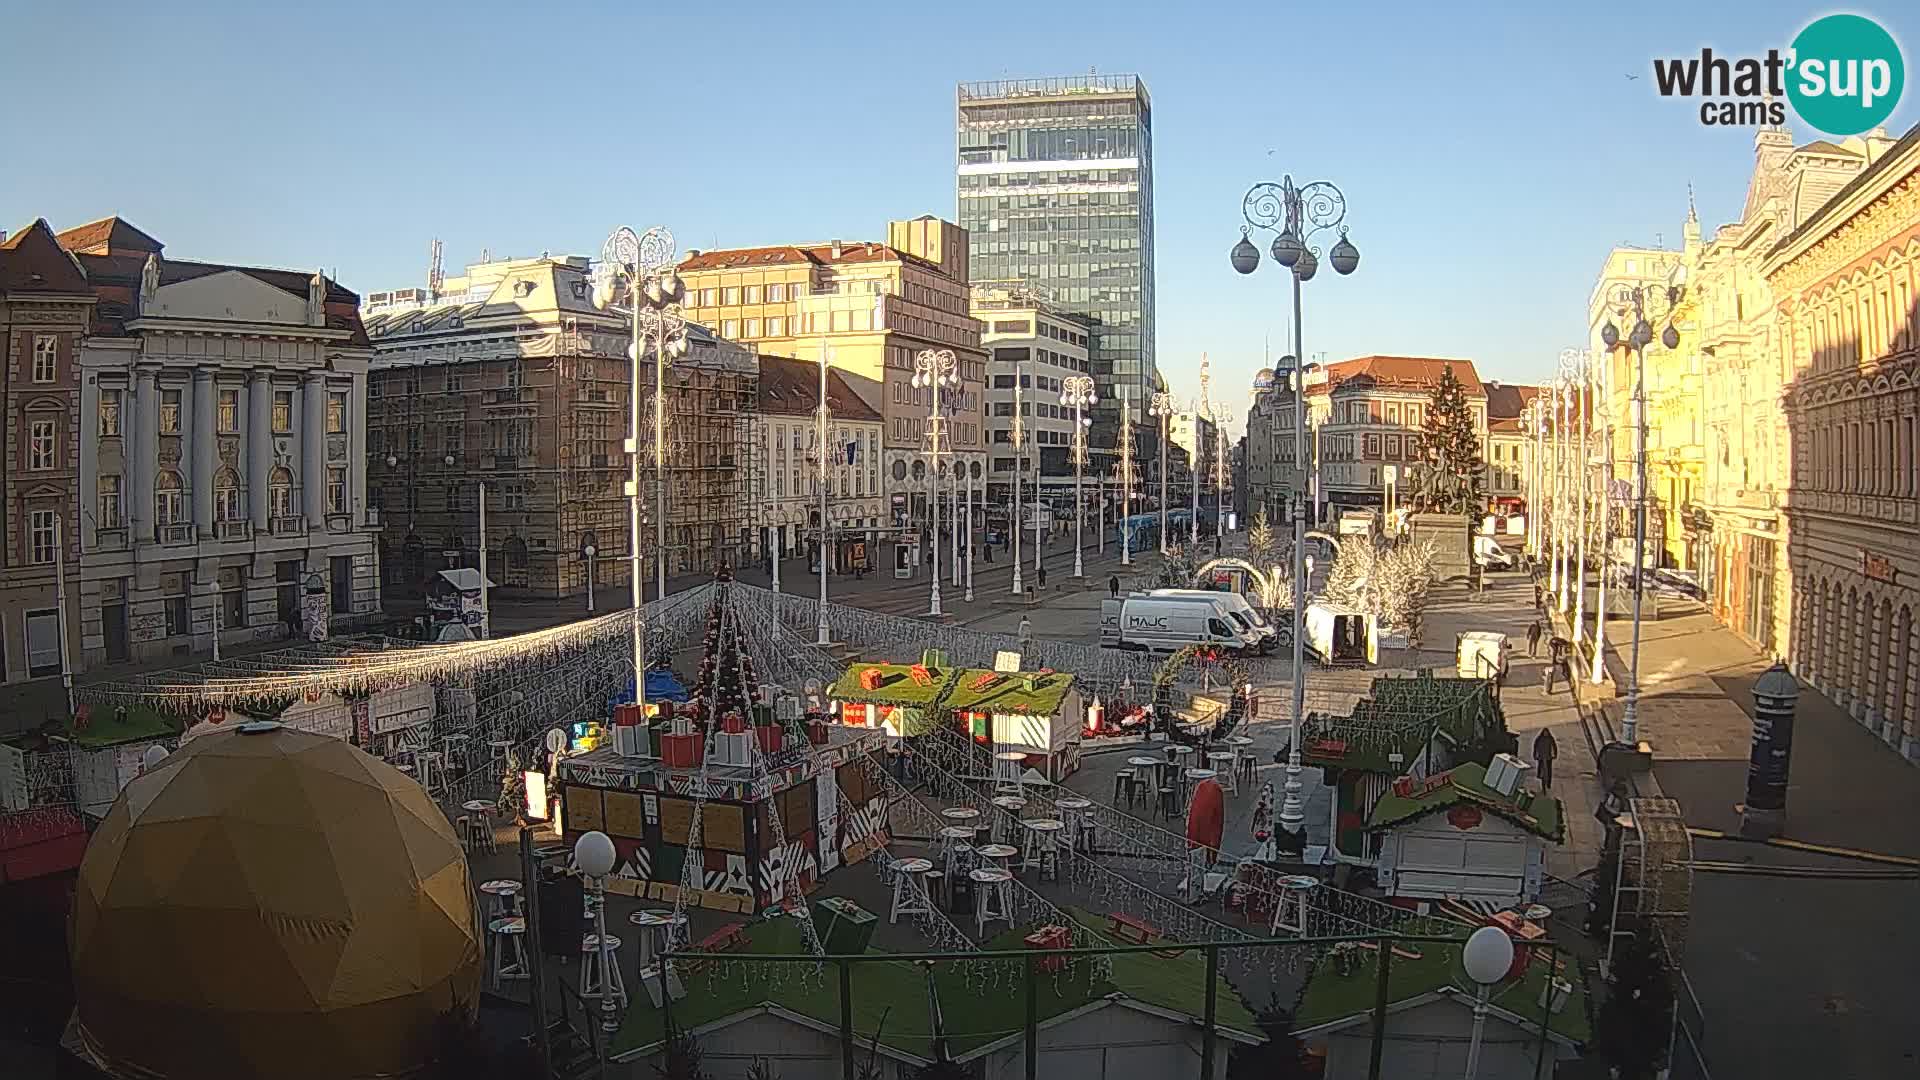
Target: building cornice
<point>218,328</point>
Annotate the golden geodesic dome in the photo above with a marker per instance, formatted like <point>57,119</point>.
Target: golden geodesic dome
<point>272,903</point>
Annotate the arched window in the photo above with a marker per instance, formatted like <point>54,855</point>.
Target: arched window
<point>227,505</point>
<point>169,498</point>
<point>280,492</point>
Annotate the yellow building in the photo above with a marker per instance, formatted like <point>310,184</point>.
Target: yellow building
<point>1611,448</point>
<point>875,306</point>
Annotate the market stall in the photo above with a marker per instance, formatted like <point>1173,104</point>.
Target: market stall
<point>1471,833</point>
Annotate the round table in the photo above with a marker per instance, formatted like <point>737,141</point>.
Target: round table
<point>1194,776</point>
<point>1045,824</point>
<point>960,813</point>
<point>1073,803</point>
<point>1146,762</point>
<point>999,853</point>
<point>477,806</point>
<point>957,833</point>
<point>504,892</point>
<point>1239,740</point>
<point>1012,804</point>
<point>1537,914</point>
<point>915,865</point>
<point>1044,830</point>
<point>654,925</point>
<point>1220,757</point>
<point>1177,751</point>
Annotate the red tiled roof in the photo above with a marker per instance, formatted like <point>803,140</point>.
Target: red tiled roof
<point>790,387</point>
<point>31,260</point>
<point>1419,371</point>
<point>1507,402</point>
<point>108,236</point>
<point>785,254</point>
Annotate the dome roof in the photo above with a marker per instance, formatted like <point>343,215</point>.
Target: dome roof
<point>271,902</point>
<point>1263,380</point>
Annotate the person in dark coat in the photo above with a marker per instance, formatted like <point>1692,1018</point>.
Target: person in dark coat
<point>1545,749</point>
<point>1557,661</point>
<point>1113,585</point>
<point>1533,639</point>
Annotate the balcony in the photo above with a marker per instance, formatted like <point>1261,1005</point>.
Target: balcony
<point>110,538</point>
<point>175,534</point>
<point>233,529</point>
<point>287,525</point>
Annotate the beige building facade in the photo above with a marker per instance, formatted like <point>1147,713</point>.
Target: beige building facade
<point>1844,284</point>
<point>788,489</point>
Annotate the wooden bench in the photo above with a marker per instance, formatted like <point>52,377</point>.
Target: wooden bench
<point>1129,929</point>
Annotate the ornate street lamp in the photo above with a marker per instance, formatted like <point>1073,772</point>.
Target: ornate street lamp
<point>1161,409</point>
<point>635,277</point>
<point>1297,214</point>
<point>936,371</point>
<point>1642,303</point>
<point>1076,392</point>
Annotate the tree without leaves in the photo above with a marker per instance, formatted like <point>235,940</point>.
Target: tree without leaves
<point>1260,539</point>
<point>1450,449</point>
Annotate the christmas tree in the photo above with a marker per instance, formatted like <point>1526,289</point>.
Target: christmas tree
<point>1450,449</point>
<point>1260,542</point>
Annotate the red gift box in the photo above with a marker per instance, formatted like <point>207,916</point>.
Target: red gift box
<point>681,751</point>
<point>1050,937</point>
<point>817,732</point>
<point>770,737</point>
<point>627,715</point>
<point>733,723</point>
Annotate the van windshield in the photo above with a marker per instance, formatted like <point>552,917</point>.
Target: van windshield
<point>1259,620</point>
<point>1242,620</point>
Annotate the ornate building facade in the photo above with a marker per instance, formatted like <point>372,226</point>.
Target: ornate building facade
<point>45,308</point>
<point>222,465</point>
<point>1845,283</point>
<point>788,489</point>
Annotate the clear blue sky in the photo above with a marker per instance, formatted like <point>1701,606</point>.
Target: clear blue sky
<point>1490,155</point>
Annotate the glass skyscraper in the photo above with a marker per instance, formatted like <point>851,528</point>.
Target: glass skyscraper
<point>1056,188</point>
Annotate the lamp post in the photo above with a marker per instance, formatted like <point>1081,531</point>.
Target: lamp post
<point>1298,213</point>
<point>1019,466</point>
<point>635,272</point>
<point>1126,477</point>
<point>590,551</point>
<point>1640,302</point>
<point>1601,381</point>
<point>820,439</point>
<point>1577,483</point>
<point>593,853</point>
<point>1161,409</point>
<point>935,370</point>
<point>1563,405</point>
<point>1220,418</point>
<point>1076,392</point>
<point>974,480</point>
<point>1487,957</point>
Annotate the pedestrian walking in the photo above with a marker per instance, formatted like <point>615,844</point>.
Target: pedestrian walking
<point>1113,585</point>
<point>1557,662</point>
<point>1539,597</point>
<point>1533,639</point>
<point>1545,749</point>
<point>1041,575</point>
<point>1609,812</point>
<point>1024,634</point>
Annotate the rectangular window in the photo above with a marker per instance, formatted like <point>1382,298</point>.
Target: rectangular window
<point>776,293</point>
<point>227,413</point>
<point>233,607</point>
<point>43,643</point>
<point>282,412</point>
<point>730,328</point>
<point>169,412</point>
<point>753,294</point>
<point>46,358</point>
<point>341,570</point>
<point>109,413</point>
<point>776,327</point>
<point>707,297</point>
<point>336,491</point>
<point>336,414</point>
<point>43,448</point>
<point>110,515</point>
<point>730,295</point>
<point>41,527</point>
<point>178,623</point>
<point>753,328</point>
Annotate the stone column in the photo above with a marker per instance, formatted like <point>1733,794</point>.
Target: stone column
<point>144,452</point>
<point>357,450</point>
<point>203,427</point>
<point>313,447</point>
<point>259,445</point>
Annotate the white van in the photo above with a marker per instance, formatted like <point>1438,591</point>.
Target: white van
<point>1170,623</point>
<point>1244,613</point>
<point>1488,553</point>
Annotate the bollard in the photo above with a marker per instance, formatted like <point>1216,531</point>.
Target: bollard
<point>1765,814</point>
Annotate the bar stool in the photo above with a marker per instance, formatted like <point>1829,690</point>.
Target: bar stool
<point>1243,757</point>
<point>992,900</point>
<point>429,772</point>
<point>455,755</point>
<point>910,889</point>
<point>952,836</point>
<point>506,897</point>
<point>509,949</point>
<point>1290,912</point>
<point>657,929</point>
<point>1226,766</point>
<point>1042,853</point>
<point>1169,802</point>
<point>936,887</point>
<point>1008,776</point>
<point>1013,805</point>
<point>594,981</point>
<point>497,750</point>
<point>1123,786</point>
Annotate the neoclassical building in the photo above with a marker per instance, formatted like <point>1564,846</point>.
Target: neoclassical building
<point>1845,283</point>
<point>787,494</point>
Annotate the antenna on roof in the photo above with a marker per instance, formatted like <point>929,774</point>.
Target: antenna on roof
<point>435,276</point>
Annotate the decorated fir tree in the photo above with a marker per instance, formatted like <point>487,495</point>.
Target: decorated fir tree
<point>1260,539</point>
<point>1632,1028</point>
<point>1450,451</point>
